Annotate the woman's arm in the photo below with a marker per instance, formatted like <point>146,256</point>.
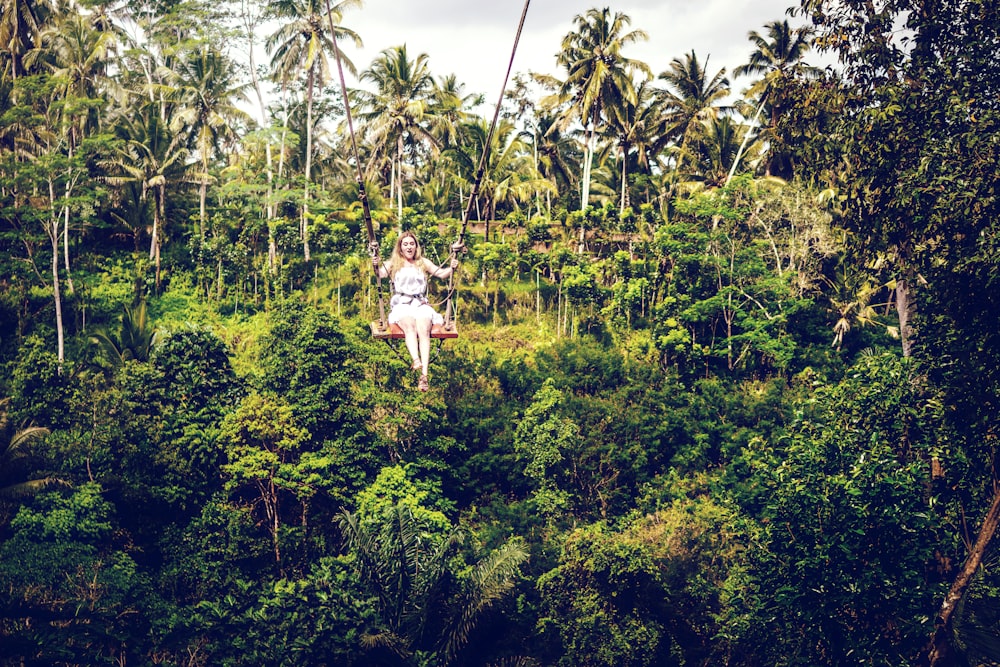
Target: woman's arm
<point>442,272</point>
<point>380,268</point>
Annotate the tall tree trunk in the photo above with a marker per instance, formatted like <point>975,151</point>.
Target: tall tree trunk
<point>588,159</point>
<point>273,245</point>
<point>305,194</point>
<point>399,180</point>
<point>155,233</point>
<point>905,309</point>
<point>624,199</point>
<point>202,196</point>
<point>746,139</point>
<point>69,277</point>
<point>53,231</point>
<point>158,223</point>
<point>250,22</point>
<point>69,190</point>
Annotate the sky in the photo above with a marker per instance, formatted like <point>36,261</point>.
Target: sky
<point>473,39</point>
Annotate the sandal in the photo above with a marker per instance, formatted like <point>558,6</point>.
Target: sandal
<point>416,365</point>
<point>423,385</point>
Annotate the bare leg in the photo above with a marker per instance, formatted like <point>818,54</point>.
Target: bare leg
<point>423,327</point>
<point>409,327</point>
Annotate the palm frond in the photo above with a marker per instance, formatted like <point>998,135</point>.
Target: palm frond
<point>31,487</point>
<point>491,578</point>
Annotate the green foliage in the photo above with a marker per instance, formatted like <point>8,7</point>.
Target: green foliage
<point>306,359</point>
<point>134,339</point>
<point>263,446</point>
<point>429,600</point>
<point>850,531</point>
<point>72,594</point>
<point>209,557</point>
<point>40,392</point>
<point>655,407</point>
<point>647,594</point>
<point>393,487</point>
<point>192,386</point>
<point>19,453</point>
<point>541,438</point>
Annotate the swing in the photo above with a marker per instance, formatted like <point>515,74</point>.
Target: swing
<point>381,328</point>
<point>393,332</point>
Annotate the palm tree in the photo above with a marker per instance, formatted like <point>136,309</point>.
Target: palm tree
<point>14,452</point>
<point>558,152</point>
<point>510,177</point>
<point>399,113</point>
<point>691,100</point>
<point>151,156</point>
<point>300,45</point>
<point>777,58</point>
<point>423,604</point>
<point>133,341</point>
<point>207,90</point>
<point>599,77</point>
<point>78,55</point>
<point>451,107</point>
<point>640,127</point>
<point>21,21</point>
<point>718,148</point>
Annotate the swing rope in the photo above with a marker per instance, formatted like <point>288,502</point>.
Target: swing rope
<point>373,246</point>
<point>459,244</point>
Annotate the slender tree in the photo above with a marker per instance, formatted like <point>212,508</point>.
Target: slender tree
<point>778,57</point>
<point>641,129</point>
<point>599,79</point>
<point>21,22</point>
<point>691,101</point>
<point>150,155</point>
<point>208,94</point>
<point>398,114</point>
<point>300,47</point>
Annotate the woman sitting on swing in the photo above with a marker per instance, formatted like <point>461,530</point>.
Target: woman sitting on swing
<point>408,269</point>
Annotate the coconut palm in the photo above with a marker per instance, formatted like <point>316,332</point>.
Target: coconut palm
<point>151,156</point>
<point>599,77</point>
<point>777,58</point>
<point>451,106</point>
<point>559,156</point>
<point>207,90</point>
<point>300,45</point>
<point>21,22</point>
<point>424,604</point>
<point>398,114</point>
<point>719,144</point>
<point>691,99</point>
<point>510,178</point>
<point>642,128</point>
<point>15,451</point>
<point>132,341</point>
<point>78,54</point>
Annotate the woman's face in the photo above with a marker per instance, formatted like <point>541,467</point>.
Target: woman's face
<point>408,247</point>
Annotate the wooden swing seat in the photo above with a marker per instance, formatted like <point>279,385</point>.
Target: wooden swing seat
<point>393,332</point>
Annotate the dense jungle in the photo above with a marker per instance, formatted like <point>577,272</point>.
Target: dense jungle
<point>724,390</point>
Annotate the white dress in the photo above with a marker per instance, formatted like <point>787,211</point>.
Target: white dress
<point>409,297</point>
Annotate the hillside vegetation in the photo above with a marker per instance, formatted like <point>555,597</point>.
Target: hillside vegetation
<point>724,391</point>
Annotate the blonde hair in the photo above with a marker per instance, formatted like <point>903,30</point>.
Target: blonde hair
<point>397,261</point>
